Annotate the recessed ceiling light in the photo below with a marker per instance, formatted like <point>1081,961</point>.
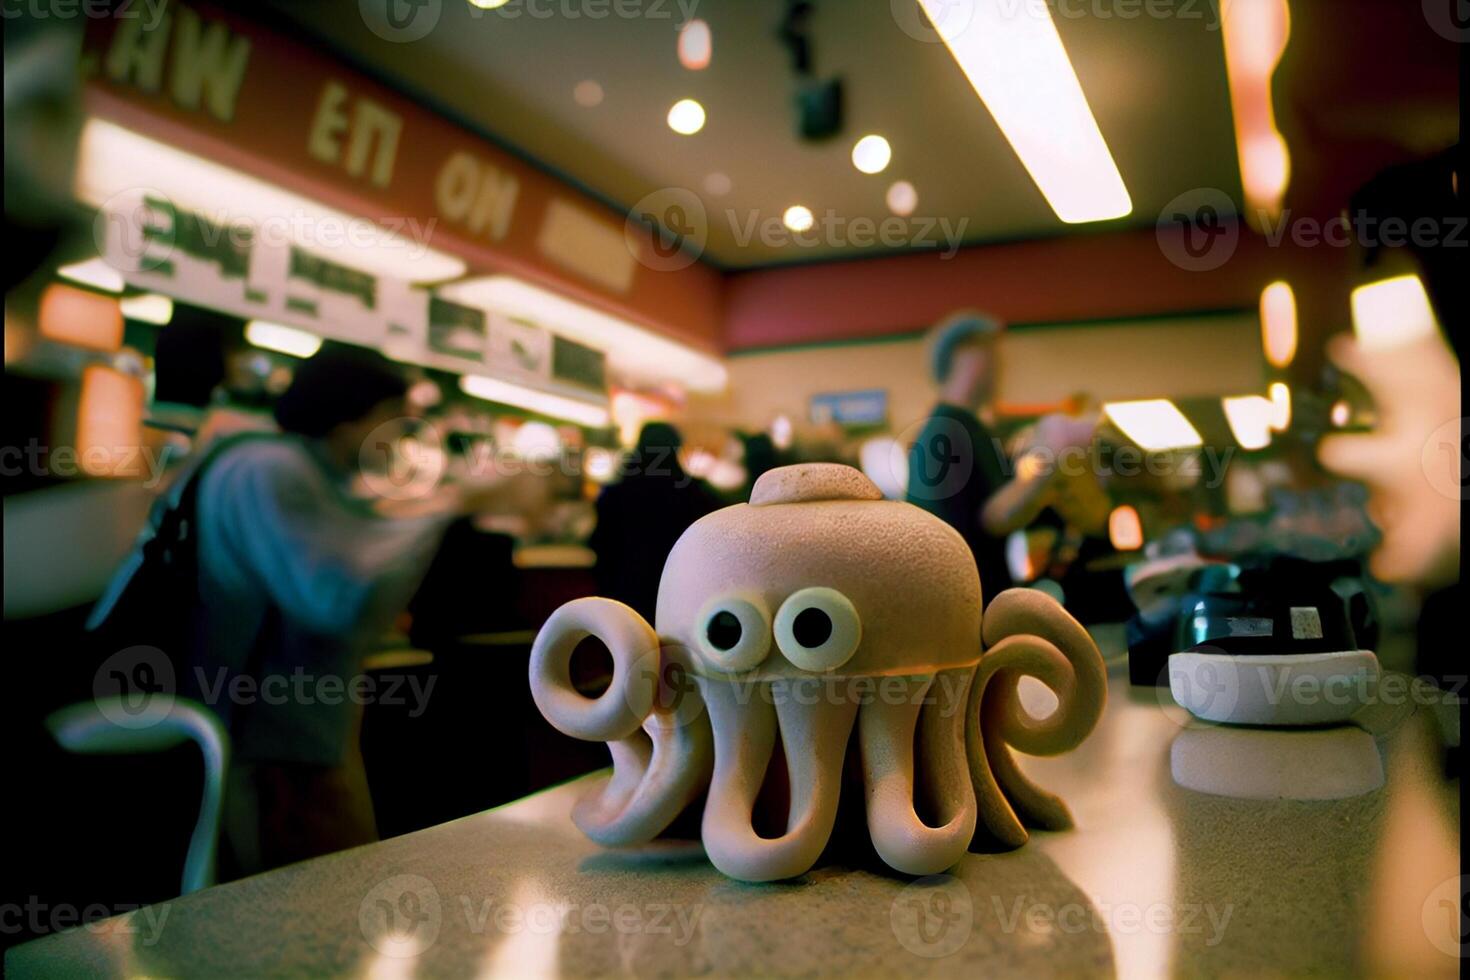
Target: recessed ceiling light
<point>871,154</point>
<point>1020,70</point>
<point>902,198</point>
<point>281,338</point>
<point>1250,420</point>
<point>1155,424</point>
<point>695,45</point>
<point>717,184</point>
<point>686,117</point>
<point>587,94</point>
<point>95,273</point>
<point>488,4</point>
<point>148,308</point>
<point>1278,323</point>
<point>798,218</point>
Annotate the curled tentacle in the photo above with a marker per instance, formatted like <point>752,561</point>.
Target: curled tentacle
<point>1027,633</point>
<point>658,770</point>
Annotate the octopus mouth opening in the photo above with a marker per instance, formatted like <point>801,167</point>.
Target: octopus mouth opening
<point>591,668</point>
<point>772,812</point>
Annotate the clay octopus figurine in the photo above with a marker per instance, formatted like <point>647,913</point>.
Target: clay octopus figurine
<point>816,607</point>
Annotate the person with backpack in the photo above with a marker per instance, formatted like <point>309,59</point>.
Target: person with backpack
<point>287,581</point>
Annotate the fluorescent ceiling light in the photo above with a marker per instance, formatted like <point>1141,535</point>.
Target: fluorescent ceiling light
<point>540,402</point>
<point>281,338</point>
<point>1393,313</point>
<point>1250,418</point>
<point>633,353</point>
<point>1278,324</point>
<point>1015,61</point>
<point>95,273</point>
<point>1154,424</point>
<point>113,161</point>
<point>149,308</point>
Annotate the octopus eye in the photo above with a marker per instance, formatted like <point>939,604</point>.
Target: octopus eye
<point>818,629</point>
<point>734,634</point>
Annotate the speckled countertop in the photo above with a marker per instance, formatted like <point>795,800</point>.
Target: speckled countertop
<point>1198,851</point>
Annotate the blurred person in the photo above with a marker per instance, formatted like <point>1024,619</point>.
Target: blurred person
<point>296,579</point>
<point>641,516</point>
<point>957,468</point>
<point>759,454</point>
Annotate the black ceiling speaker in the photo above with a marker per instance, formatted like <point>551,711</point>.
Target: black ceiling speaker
<point>818,101</point>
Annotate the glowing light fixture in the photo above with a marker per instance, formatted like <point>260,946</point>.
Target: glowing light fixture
<point>116,167</point>
<point>1015,61</point>
<point>536,440</point>
<point>95,273</point>
<point>148,308</point>
<point>1154,424</point>
<point>781,432</point>
<point>696,44</point>
<point>282,339</point>
<point>68,315</point>
<point>686,117</point>
<point>871,154</point>
<point>798,218</point>
<point>902,198</point>
<point>1278,324</point>
<point>1280,396</point>
<point>633,352</point>
<point>488,4</point>
<point>886,463</point>
<point>1256,32</point>
<point>1250,419</point>
<point>1125,530</point>
<point>532,400</point>
<point>587,94</point>
<point>1392,313</point>
<point>1342,414</point>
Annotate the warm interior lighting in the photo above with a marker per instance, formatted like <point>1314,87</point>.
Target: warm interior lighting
<point>1280,396</point>
<point>532,400</point>
<point>1342,414</point>
<point>695,45</point>
<point>798,218</point>
<point>109,422</point>
<point>1250,418</point>
<point>634,353</point>
<point>116,166</point>
<point>1278,324</point>
<point>1256,32</point>
<point>871,154</point>
<point>1125,530</point>
<point>148,308</point>
<point>1015,61</point>
<point>902,198</point>
<point>686,117</point>
<point>1393,313</point>
<point>587,94</point>
<point>1154,424</point>
<point>79,318</point>
<point>488,4</point>
<point>281,338</point>
<point>95,273</point>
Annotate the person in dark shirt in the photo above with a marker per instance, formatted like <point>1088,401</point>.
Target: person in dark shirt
<point>641,516</point>
<point>956,466</point>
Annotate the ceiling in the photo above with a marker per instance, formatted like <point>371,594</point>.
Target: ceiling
<point>1157,87</point>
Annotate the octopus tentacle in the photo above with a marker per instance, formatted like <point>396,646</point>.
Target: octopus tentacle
<point>886,731</point>
<point>745,716</point>
<point>1027,633</point>
<point>656,771</point>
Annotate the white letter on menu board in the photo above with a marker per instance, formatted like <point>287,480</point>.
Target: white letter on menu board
<point>207,61</point>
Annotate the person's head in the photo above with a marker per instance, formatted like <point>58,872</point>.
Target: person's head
<point>339,395</point>
<point>963,356</point>
<point>657,450</point>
